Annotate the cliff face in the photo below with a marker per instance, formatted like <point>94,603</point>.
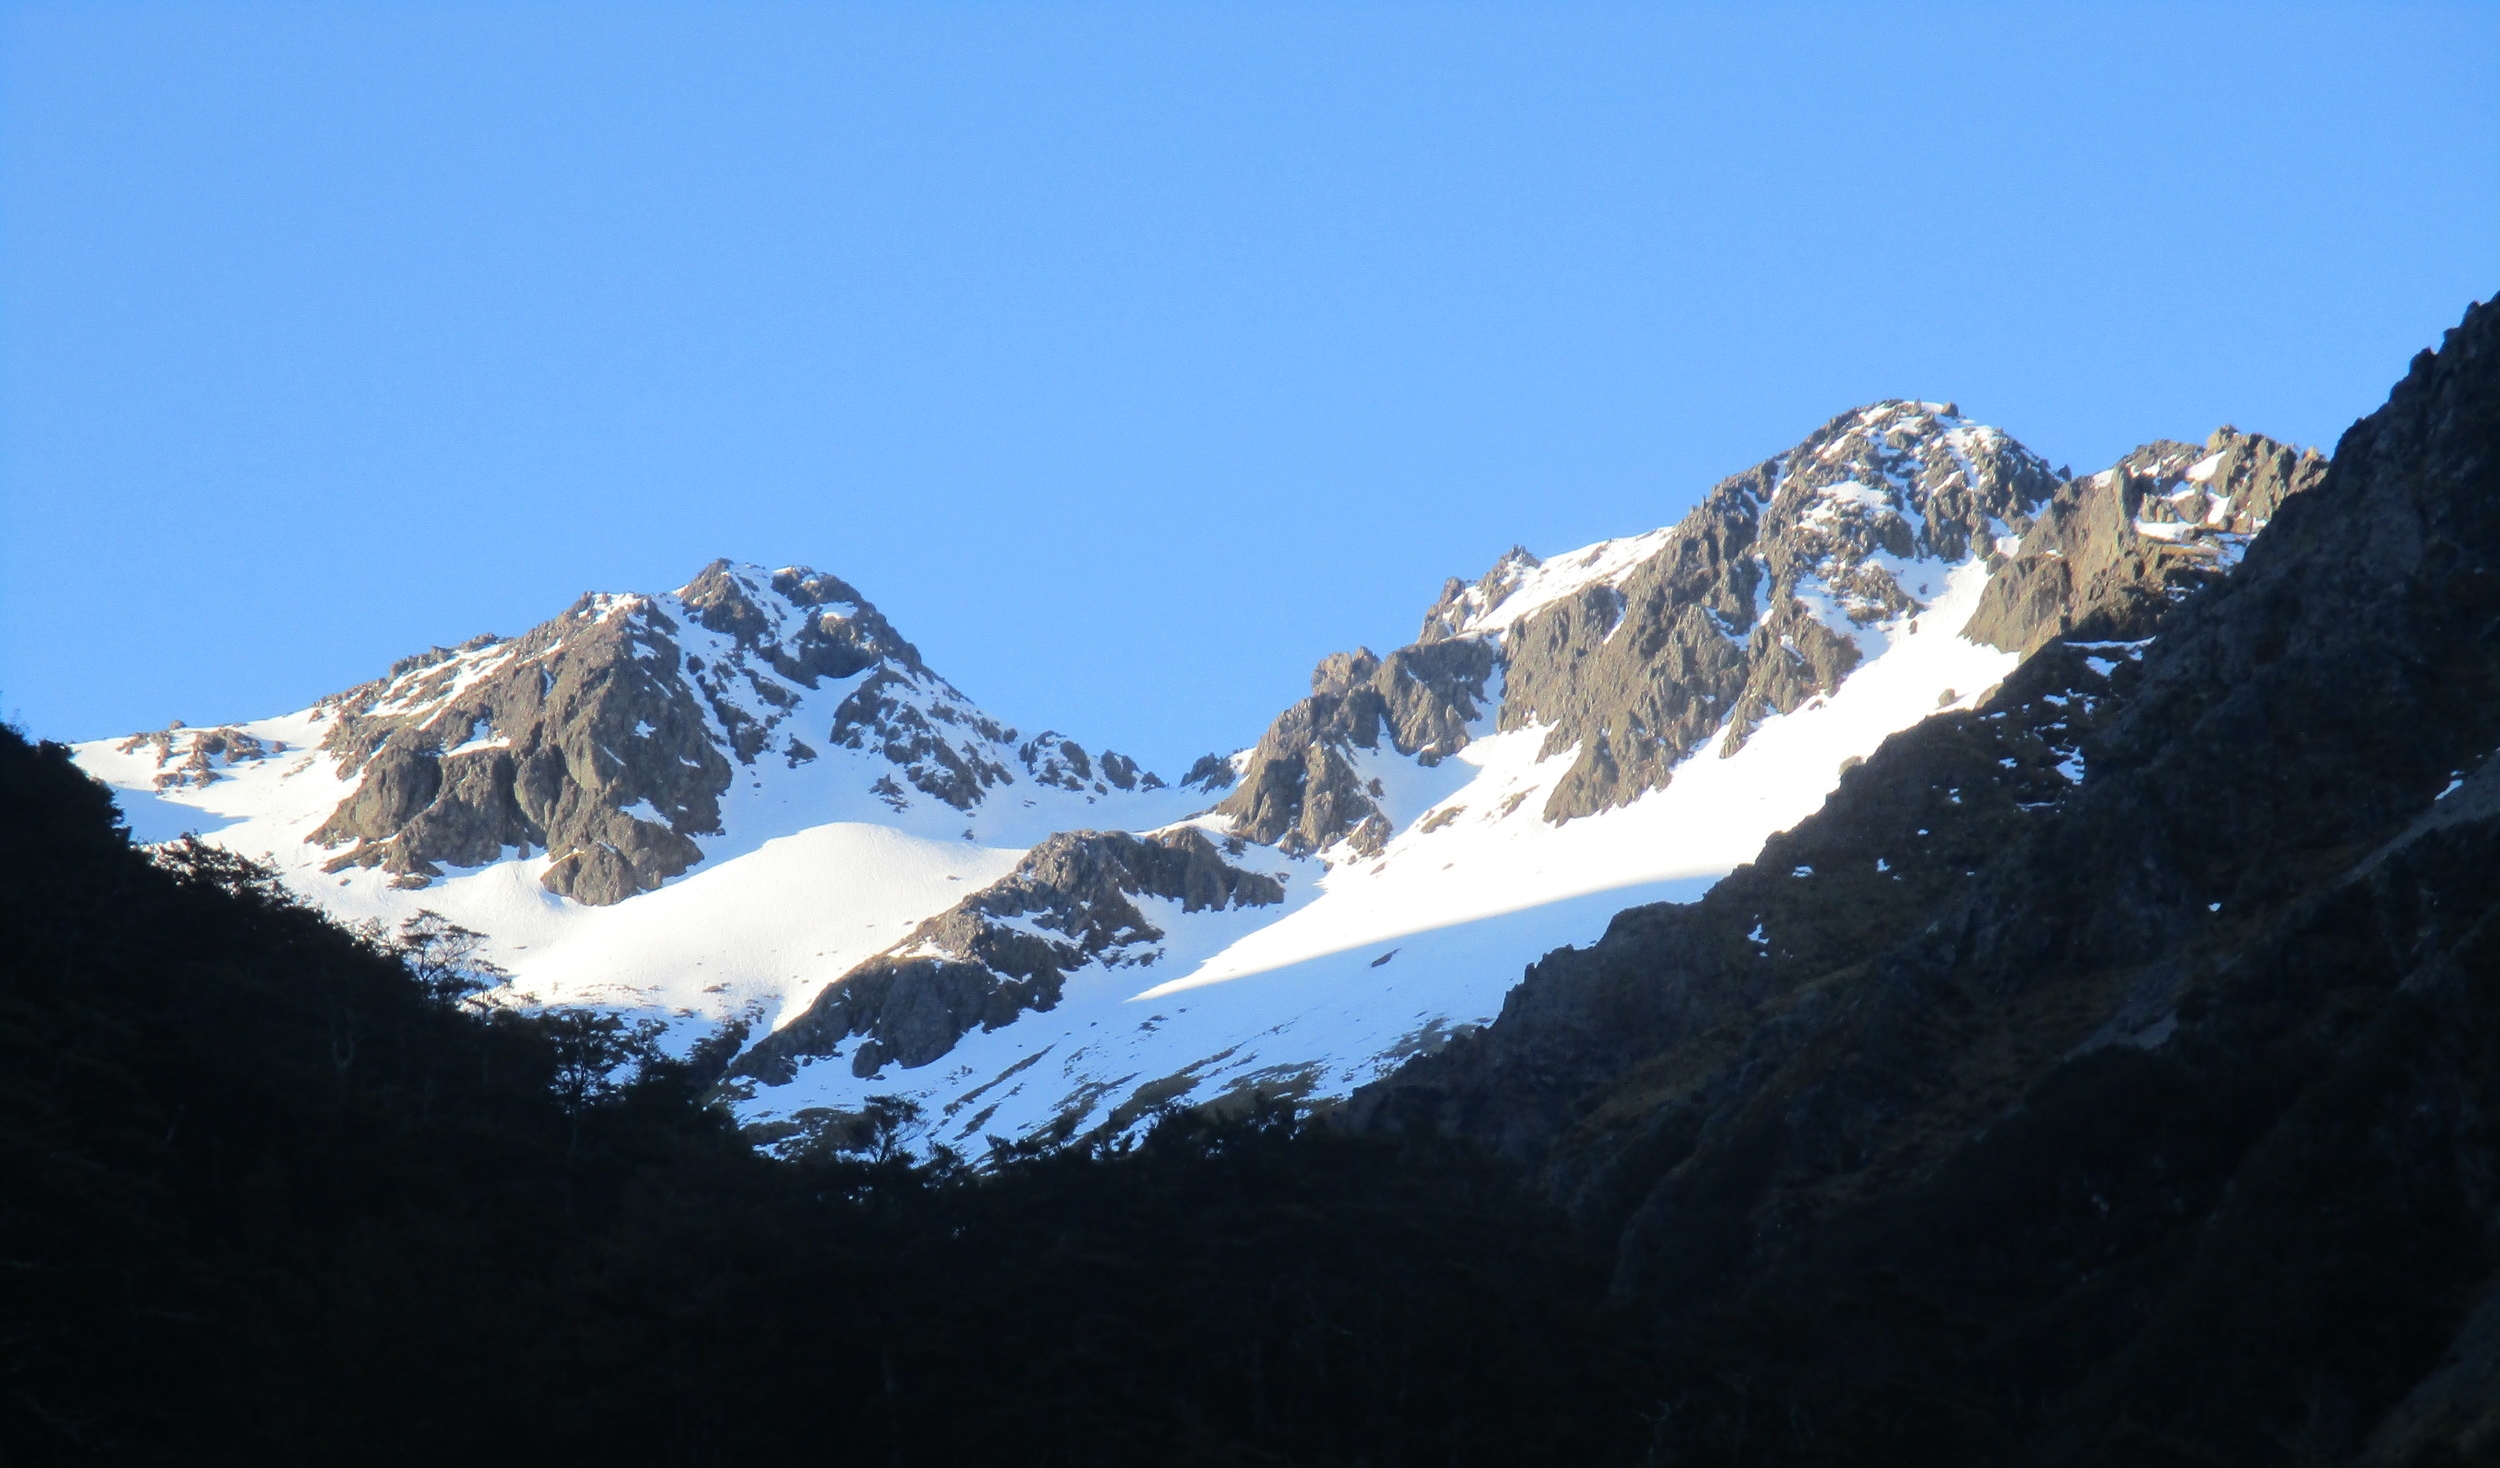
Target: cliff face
<point>2106,1073</point>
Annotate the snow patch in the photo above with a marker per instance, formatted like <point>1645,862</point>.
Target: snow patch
<point>1542,585</point>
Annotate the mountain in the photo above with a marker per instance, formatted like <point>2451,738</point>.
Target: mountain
<point>2106,1072</point>
<point>751,802</point>
<point>645,800</point>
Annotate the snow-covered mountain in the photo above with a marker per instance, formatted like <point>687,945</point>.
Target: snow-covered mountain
<point>702,803</point>
<point>752,797</point>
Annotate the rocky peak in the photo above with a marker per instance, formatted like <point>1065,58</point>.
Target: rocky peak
<point>1463,606</point>
<point>780,634</point>
<point>1632,653</point>
<point>1914,468</point>
<point>1896,481</point>
<point>543,742</point>
<point>1762,598</point>
<point>806,625</point>
<point>608,736</point>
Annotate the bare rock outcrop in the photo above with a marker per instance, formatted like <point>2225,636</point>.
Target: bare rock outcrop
<point>583,739</point>
<point>196,758</point>
<point>1009,948</point>
<point>2145,533</point>
<point>1300,789</point>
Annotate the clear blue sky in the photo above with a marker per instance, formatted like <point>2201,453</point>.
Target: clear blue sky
<point>1130,357</point>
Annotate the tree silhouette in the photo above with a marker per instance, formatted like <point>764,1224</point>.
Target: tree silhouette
<point>447,960</point>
